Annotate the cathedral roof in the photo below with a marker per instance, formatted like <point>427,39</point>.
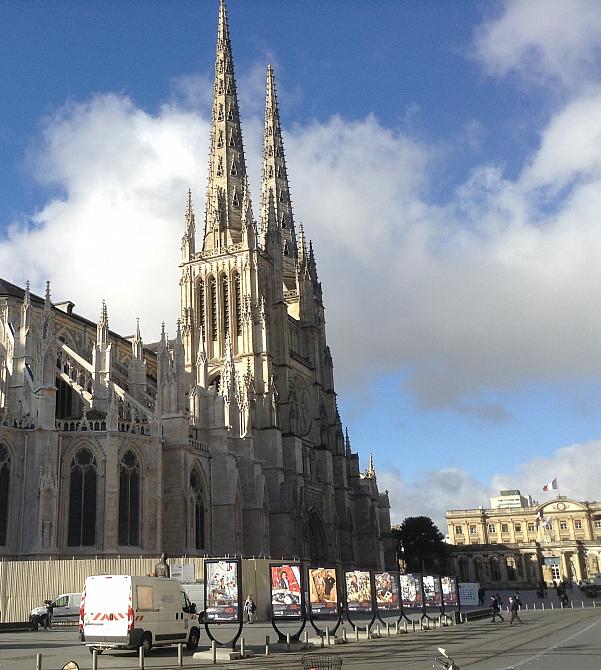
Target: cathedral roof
<point>8,289</point>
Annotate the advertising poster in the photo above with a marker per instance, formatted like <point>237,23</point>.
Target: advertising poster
<point>358,591</point>
<point>450,595</point>
<point>387,591</point>
<point>411,590</point>
<point>221,591</point>
<point>432,594</point>
<point>286,590</point>
<point>468,593</point>
<point>323,591</point>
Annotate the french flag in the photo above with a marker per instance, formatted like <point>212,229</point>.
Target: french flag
<point>551,486</point>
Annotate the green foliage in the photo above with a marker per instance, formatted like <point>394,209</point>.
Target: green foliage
<point>422,544</point>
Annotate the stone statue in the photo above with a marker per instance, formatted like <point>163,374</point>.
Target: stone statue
<point>161,569</point>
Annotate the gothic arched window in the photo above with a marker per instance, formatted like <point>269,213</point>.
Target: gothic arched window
<point>129,500</point>
<point>225,316</point>
<point>200,309</point>
<point>237,304</point>
<point>213,299</point>
<point>82,500</point>
<point>4,493</point>
<point>198,510</point>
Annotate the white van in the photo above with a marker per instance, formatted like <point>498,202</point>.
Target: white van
<point>65,609</point>
<point>128,612</point>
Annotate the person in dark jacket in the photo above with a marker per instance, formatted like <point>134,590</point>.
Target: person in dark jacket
<point>495,608</point>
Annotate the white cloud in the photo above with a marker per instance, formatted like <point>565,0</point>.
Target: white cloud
<point>546,42</point>
<point>432,493</point>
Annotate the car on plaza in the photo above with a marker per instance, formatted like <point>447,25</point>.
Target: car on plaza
<point>65,609</point>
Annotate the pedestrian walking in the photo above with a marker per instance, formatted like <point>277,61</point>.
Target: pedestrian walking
<point>514,609</point>
<point>49,611</point>
<point>495,608</point>
<point>250,608</point>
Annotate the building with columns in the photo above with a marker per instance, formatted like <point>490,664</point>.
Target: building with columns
<point>521,547</point>
<point>225,439</point>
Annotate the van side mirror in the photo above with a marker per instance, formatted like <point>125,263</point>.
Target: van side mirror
<point>192,608</point>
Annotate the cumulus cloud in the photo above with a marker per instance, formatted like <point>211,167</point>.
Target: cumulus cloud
<point>545,42</point>
<point>432,493</point>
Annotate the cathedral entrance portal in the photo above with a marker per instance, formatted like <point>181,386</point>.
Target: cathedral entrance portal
<point>318,540</point>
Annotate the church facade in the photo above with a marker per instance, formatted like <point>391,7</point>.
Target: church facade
<point>225,439</point>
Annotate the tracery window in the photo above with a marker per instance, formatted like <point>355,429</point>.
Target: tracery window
<point>4,493</point>
<point>198,510</point>
<point>213,298</point>
<point>201,304</point>
<point>129,500</point>
<point>225,305</point>
<point>82,500</point>
<point>237,305</point>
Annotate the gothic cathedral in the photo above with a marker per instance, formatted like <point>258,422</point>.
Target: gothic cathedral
<point>223,440</point>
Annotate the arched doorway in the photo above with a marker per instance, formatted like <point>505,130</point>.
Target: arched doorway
<point>318,541</point>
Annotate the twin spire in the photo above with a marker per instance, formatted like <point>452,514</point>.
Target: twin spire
<point>228,214</point>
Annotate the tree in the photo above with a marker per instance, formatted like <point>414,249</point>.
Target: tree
<point>422,544</point>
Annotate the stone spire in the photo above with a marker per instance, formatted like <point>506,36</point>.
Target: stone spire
<point>102,329</point>
<point>275,178</point>
<point>227,166</point>
<point>188,239</point>
<point>137,346</point>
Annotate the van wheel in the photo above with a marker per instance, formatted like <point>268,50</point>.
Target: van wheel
<point>146,643</point>
<point>193,639</point>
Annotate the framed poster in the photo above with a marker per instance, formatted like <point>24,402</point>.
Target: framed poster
<point>222,591</point>
<point>411,590</point>
<point>323,591</point>
<point>450,594</point>
<point>432,593</point>
<point>358,591</point>
<point>387,591</point>
<point>286,591</point>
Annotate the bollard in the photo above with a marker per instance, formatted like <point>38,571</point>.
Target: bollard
<point>405,625</point>
<point>306,637</point>
<point>396,630</point>
<point>344,634</point>
<point>322,637</point>
<point>378,630</point>
<point>543,606</point>
<point>214,651</point>
<point>95,659</point>
<point>572,604</point>
<point>413,625</point>
<point>328,636</point>
<point>180,655</point>
<point>242,645</point>
<point>594,604</point>
<point>356,633</point>
<point>387,629</point>
<point>534,606</point>
<point>141,657</point>
<point>526,607</point>
<point>288,642</point>
<point>583,603</point>
<point>267,645</point>
<point>552,607</point>
<point>38,662</point>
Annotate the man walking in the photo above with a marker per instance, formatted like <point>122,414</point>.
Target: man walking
<point>514,609</point>
<point>495,608</point>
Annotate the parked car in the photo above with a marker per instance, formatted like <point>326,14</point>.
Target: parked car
<point>65,609</point>
<point>590,588</point>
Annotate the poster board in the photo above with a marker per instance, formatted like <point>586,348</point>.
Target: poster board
<point>450,593</point>
<point>432,591</point>
<point>387,591</point>
<point>358,591</point>
<point>286,590</point>
<point>411,590</point>
<point>468,593</point>
<point>222,591</point>
<point>323,591</point>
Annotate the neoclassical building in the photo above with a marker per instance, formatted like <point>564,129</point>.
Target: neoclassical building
<point>225,439</point>
<point>525,545</point>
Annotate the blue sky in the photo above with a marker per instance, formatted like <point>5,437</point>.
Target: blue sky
<point>444,156</point>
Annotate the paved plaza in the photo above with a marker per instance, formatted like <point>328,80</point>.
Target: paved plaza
<point>553,639</point>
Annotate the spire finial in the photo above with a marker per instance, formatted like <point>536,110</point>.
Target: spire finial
<point>27,296</point>
<point>275,178</point>
<point>227,165</point>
